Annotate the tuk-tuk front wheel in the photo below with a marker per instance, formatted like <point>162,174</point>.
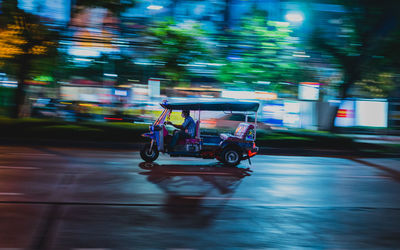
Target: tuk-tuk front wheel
<point>149,154</point>
<point>230,156</point>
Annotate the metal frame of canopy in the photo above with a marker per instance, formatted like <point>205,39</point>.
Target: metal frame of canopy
<point>242,106</point>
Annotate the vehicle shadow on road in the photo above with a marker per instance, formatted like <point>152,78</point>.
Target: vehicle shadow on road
<point>195,193</point>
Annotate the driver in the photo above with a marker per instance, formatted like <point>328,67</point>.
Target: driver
<point>187,129</point>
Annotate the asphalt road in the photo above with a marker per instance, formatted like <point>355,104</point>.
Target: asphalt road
<point>53,198</point>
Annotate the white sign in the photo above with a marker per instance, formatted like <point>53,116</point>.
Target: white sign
<point>238,94</point>
<point>372,113</point>
<point>291,117</point>
<point>119,92</point>
<point>154,88</point>
<point>308,91</point>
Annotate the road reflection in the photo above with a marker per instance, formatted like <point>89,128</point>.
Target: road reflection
<point>195,193</point>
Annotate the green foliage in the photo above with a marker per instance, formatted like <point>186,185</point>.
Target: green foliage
<point>378,85</point>
<point>261,51</point>
<point>6,97</point>
<point>65,132</point>
<point>46,129</point>
<point>306,139</point>
<point>175,47</point>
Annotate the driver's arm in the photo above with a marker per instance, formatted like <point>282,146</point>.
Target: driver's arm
<point>175,125</point>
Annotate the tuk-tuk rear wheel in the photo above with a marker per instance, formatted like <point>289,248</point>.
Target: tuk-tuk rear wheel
<point>230,156</point>
<point>149,155</point>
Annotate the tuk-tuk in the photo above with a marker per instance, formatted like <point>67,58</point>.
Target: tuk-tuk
<point>229,149</point>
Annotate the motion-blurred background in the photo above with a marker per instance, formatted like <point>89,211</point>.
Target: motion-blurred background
<point>315,64</point>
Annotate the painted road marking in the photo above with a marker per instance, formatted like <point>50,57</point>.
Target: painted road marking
<point>29,154</point>
<point>90,248</point>
<point>1,193</point>
<point>213,198</point>
<point>22,168</point>
<point>198,173</point>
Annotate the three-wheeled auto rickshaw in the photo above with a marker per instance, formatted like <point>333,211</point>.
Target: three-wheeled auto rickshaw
<point>229,149</point>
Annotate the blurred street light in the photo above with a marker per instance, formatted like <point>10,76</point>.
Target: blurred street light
<point>110,75</point>
<point>294,17</point>
<point>155,7</point>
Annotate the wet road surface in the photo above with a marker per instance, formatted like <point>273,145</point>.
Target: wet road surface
<point>53,198</point>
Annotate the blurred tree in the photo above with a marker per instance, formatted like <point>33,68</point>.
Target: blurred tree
<point>261,51</point>
<point>121,65</point>
<point>24,41</point>
<point>375,85</point>
<point>365,47</point>
<point>175,47</point>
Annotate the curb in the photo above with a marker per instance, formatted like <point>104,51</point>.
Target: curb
<point>69,143</point>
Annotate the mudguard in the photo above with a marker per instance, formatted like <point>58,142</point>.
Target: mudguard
<point>225,144</point>
<point>242,146</point>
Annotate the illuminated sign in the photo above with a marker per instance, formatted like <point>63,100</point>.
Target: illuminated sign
<point>273,113</point>
<point>291,117</point>
<point>265,95</point>
<point>120,92</point>
<point>372,113</point>
<point>308,91</point>
<point>154,87</point>
<point>43,78</point>
<point>238,94</point>
<point>259,95</point>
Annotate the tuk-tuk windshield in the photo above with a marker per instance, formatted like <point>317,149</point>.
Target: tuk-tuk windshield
<point>162,117</point>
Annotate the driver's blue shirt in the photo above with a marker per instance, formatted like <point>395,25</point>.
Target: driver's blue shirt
<point>190,126</point>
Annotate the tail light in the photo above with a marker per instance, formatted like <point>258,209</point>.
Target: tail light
<point>250,154</point>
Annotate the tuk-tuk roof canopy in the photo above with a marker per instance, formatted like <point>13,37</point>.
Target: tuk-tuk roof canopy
<point>213,105</point>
